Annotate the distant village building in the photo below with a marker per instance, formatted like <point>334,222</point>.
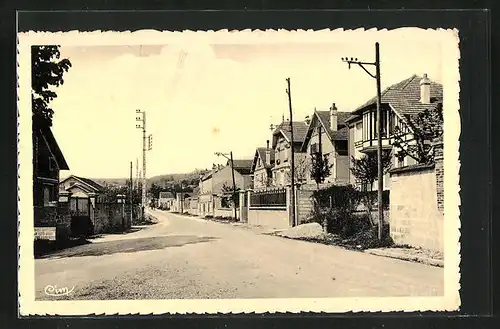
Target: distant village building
<point>166,200</point>
<point>262,165</point>
<point>282,144</point>
<point>211,184</point>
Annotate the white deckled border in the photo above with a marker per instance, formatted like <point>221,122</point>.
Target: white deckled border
<point>450,65</point>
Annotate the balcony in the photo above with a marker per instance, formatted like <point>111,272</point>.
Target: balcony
<point>371,145</point>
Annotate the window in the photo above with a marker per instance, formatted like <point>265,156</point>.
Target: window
<point>384,123</point>
<point>358,132</point>
<point>46,196</point>
<point>392,123</point>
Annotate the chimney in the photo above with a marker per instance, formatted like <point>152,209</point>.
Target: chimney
<point>307,120</point>
<point>333,117</point>
<point>425,90</point>
<point>268,154</point>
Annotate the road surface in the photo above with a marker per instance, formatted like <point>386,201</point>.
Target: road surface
<point>185,258</point>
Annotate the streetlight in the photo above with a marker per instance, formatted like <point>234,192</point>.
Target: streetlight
<point>350,61</point>
<point>230,158</point>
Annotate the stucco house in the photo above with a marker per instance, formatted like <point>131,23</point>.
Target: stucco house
<point>281,144</point>
<point>262,164</point>
<point>327,135</point>
<point>408,97</point>
<point>211,184</point>
<point>166,200</point>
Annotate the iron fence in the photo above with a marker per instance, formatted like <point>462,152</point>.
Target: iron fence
<point>271,198</point>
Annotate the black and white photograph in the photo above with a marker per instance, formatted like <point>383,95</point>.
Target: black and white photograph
<point>238,171</point>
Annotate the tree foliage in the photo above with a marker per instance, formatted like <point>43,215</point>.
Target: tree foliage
<point>320,167</point>
<point>365,169</point>
<point>109,193</point>
<point>425,127</point>
<point>47,70</point>
<point>302,168</point>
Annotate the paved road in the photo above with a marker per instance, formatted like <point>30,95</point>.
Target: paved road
<point>182,257</point>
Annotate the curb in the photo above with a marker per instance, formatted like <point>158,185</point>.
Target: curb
<point>410,258</point>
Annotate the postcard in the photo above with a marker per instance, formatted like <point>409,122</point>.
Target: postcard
<point>169,172</point>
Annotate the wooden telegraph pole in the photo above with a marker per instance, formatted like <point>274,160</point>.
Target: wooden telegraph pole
<point>380,176</point>
<point>292,163</point>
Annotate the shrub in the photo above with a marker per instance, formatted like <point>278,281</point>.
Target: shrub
<point>367,239</point>
<point>334,207</point>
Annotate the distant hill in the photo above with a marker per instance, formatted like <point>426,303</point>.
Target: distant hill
<point>168,181</point>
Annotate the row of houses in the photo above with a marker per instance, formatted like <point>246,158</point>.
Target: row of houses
<point>335,135</point>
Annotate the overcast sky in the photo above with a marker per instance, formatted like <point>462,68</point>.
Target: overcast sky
<point>205,97</point>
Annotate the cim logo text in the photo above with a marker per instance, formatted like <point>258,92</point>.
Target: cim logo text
<point>56,291</point>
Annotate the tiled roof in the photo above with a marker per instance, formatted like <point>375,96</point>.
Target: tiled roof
<point>404,98</point>
<point>299,130</point>
<point>90,182</point>
<point>262,154</point>
<point>342,131</point>
<point>243,166</point>
<point>207,175</point>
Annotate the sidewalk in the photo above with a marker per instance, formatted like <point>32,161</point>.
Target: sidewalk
<point>423,256</point>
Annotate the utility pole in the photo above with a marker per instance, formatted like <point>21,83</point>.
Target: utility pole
<point>131,195</point>
<point>380,176</point>
<point>289,92</point>
<point>137,172</point>
<point>142,126</point>
<point>234,184</point>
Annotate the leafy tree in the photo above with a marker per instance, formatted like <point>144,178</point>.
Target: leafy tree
<point>227,189</point>
<point>425,127</point>
<point>365,169</point>
<point>155,190</point>
<point>47,71</point>
<point>302,168</point>
<point>320,168</point>
<point>109,194</point>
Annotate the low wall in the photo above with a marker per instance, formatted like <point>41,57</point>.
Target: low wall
<point>45,216</point>
<point>271,218</point>
<point>415,218</point>
<point>226,212</point>
<point>52,223</point>
<point>109,217</point>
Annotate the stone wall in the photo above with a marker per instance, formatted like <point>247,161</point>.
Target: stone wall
<point>53,222</point>
<point>109,217</point>
<point>304,204</point>
<point>438,159</point>
<point>45,216</point>
<point>415,219</point>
